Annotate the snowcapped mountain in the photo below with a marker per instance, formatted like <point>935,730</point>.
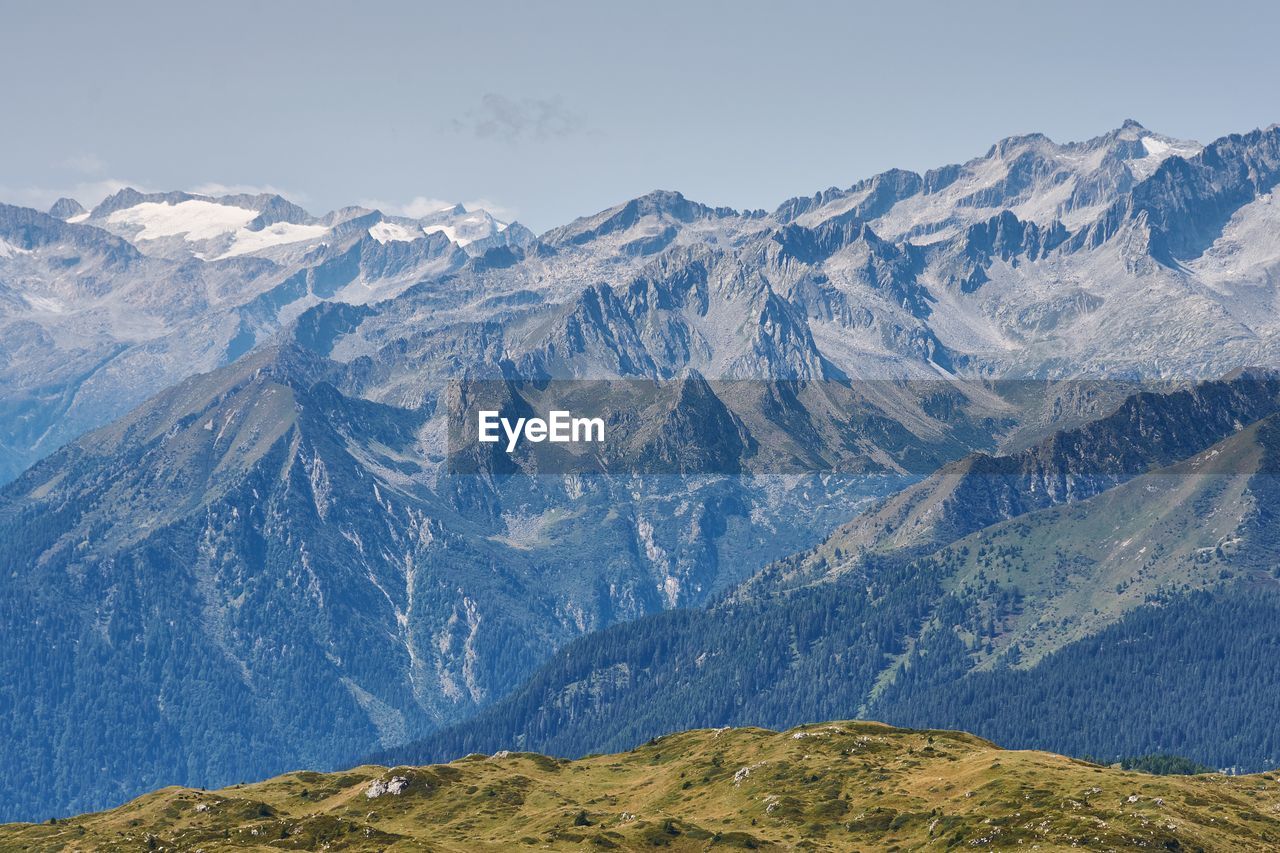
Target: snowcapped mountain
<point>1032,177</point>
<point>904,275</point>
<point>182,225</point>
<point>101,309</point>
<point>1036,259</point>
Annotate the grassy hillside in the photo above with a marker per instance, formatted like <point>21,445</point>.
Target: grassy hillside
<point>838,786</point>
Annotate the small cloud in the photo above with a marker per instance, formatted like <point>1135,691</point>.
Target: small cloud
<point>496,209</point>
<point>509,119</point>
<point>421,206</point>
<point>213,188</point>
<point>416,208</point>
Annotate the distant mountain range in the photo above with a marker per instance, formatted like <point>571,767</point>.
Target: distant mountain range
<point>998,266</point>
<point>101,309</point>
<point>238,541</point>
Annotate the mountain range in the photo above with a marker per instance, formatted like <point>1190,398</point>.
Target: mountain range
<point>990,596</point>
<point>101,309</point>
<point>870,449</point>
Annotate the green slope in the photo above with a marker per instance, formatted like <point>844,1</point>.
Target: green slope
<point>837,786</point>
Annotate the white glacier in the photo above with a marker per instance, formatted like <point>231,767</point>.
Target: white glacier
<point>193,219</point>
<point>247,242</point>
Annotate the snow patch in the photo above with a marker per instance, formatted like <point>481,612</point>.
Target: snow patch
<point>447,230</point>
<point>1158,150</point>
<point>193,219</point>
<point>1156,147</point>
<point>388,232</point>
<point>8,250</point>
<point>279,234</point>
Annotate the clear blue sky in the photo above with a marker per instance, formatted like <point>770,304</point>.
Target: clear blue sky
<point>550,110</point>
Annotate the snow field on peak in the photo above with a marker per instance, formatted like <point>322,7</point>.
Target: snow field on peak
<point>247,242</point>
<point>472,227</point>
<point>448,231</point>
<point>197,220</point>
<point>193,219</point>
<point>388,232</point>
<point>1158,150</point>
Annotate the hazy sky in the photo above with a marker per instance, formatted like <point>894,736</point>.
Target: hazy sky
<point>550,110</point>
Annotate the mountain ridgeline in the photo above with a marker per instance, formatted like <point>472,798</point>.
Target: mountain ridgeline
<point>923,433</point>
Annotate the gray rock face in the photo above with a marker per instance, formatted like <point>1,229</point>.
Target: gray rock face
<point>65,208</point>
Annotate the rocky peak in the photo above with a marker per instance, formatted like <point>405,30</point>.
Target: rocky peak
<point>65,208</point>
